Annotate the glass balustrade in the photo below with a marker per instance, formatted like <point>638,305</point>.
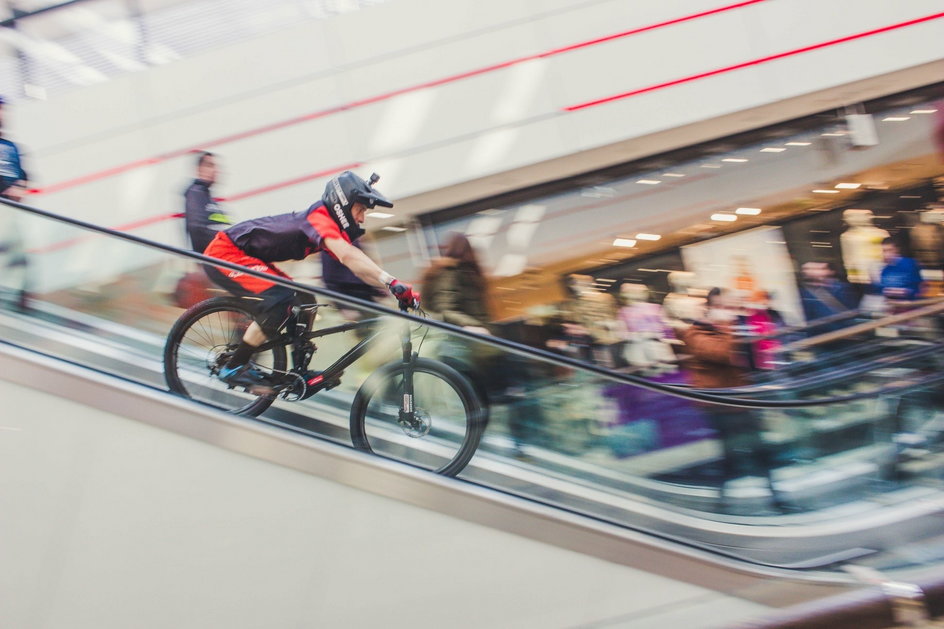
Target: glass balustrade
<point>847,421</point>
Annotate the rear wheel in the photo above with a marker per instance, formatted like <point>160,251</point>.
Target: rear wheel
<point>442,431</point>
<point>201,341</point>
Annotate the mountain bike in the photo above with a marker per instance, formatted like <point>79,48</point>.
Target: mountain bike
<point>416,410</point>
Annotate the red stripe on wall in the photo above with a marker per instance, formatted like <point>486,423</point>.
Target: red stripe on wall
<point>754,62</point>
<point>289,182</point>
<point>117,170</point>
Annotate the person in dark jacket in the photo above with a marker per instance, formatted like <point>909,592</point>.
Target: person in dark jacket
<point>823,295</point>
<point>204,218</point>
<point>715,360</point>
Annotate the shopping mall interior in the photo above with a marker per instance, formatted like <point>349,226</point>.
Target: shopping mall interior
<point>675,358</point>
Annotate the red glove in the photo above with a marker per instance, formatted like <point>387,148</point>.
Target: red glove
<point>405,294</point>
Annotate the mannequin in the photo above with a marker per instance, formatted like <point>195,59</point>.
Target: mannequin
<point>595,313</point>
<point>927,239</point>
<point>644,331</point>
<point>681,307</point>
<point>861,246</point>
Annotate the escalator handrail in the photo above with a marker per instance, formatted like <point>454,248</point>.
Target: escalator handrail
<point>505,344</point>
<point>937,306</point>
<point>834,376</point>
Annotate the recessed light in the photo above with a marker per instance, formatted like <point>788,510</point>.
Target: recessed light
<point>734,160</point>
<point>624,242</point>
<point>826,191</point>
<point>848,186</point>
<point>649,182</point>
<point>834,134</point>
<point>393,228</point>
<point>773,149</point>
<point>748,211</point>
<point>648,236</point>
<point>379,215</point>
<point>924,110</point>
<point>724,218</point>
<point>711,165</point>
<point>672,175</point>
<point>896,118</point>
<point>797,143</point>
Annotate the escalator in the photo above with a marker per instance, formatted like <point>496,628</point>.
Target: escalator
<point>612,465</point>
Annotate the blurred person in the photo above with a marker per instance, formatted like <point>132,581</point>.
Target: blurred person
<point>823,295</point>
<point>763,320</point>
<point>900,278</point>
<point>455,290</point>
<point>714,361</point>
<point>331,223</point>
<point>13,183</point>
<point>203,218</point>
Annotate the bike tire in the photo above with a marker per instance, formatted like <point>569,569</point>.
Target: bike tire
<point>195,343</point>
<point>450,442</point>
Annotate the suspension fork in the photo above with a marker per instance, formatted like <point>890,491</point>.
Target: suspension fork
<point>407,412</point>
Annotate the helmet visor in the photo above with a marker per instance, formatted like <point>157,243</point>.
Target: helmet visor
<point>373,199</point>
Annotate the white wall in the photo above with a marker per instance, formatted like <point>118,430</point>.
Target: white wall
<point>109,523</point>
<point>438,137</point>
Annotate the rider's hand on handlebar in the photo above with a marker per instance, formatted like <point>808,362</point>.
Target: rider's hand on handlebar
<point>405,294</point>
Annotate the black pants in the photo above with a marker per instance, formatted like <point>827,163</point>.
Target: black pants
<point>744,451</point>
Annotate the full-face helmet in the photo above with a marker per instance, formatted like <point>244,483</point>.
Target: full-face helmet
<point>346,189</point>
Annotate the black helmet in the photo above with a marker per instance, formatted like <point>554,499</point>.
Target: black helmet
<point>346,189</point>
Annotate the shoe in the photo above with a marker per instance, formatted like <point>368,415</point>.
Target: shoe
<point>247,376</point>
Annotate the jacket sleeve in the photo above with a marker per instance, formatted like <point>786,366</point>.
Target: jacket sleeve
<point>446,300</point>
<point>710,346</point>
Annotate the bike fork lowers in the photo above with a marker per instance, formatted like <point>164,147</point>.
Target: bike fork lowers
<point>407,414</point>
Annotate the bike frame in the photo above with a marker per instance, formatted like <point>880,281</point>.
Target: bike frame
<point>300,361</point>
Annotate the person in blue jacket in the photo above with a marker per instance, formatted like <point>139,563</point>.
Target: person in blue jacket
<point>13,182</point>
<point>901,276</point>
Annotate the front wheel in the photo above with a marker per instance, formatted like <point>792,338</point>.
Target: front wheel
<point>441,432</point>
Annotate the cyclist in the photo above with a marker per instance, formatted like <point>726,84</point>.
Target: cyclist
<point>331,225</point>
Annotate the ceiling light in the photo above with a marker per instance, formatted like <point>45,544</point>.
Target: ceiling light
<point>924,110</point>
<point>379,215</point>
<point>797,143</point>
<point>848,186</point>
<point>624,242</point>
<point>734,160</point>
<point>649,182</point>
<point>826,191</point>
<point>724,218</point>
<point>711,165</point>
<point>393,228</point>
<point>648,236</point>
<point>834,134</point>
<point>748,211</point>
<point>672,175</point>
<point>896,118</point>
<point>773,149</point>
